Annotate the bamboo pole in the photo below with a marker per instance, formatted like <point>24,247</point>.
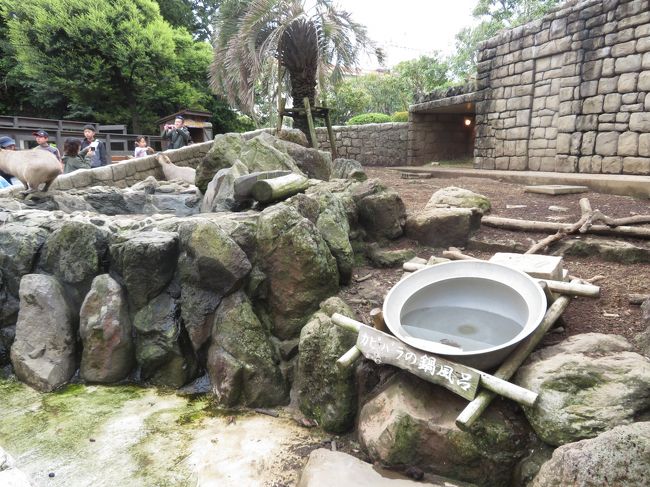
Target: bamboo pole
<point>568,288</point>
<point>474,409</point>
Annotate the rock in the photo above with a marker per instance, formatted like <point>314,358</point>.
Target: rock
<point>388,258</point>
<point>333,225</point>
<point>163,351</point>
<point>145,262</point>
<point>220,195</point>
<point>43,353</point>
<point>10,475</point>
<point>411,422</point>
<point>325,392</point>
<point>299,266</point>
<point>530,465</point>
<point>616,457</point>
<point>260,154</point>
<point>107,200</point>
<point>348,169</point>
<point>20,246</point>
<point>307,206</point>
<point>326,468</point>
<point>293,135</point>
<point>606,249</point>
<point>75,253</point>
<point>587,384</point>
<point>175,204</point>
<point>458,198</point>
<point>225,150</point>
<point>443,227</point>
<point>242,364</point>
<point>105,330</point>
<point>381,212</point>
<point>210,266</point>
<point>314,163</point>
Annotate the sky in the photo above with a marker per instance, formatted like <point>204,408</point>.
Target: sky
<point>407,29</point>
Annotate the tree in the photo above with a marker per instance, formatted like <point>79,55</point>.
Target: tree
<point>105,61</point>
<point>495,15</point>
<point>424,74</point>
<point>197,16</point>
<point>301,45</point>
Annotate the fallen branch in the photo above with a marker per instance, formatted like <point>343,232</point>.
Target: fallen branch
<point>537,226</point>
<point>546,242</point>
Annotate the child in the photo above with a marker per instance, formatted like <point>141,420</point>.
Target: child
<point>141,147</point>
<point>72,160</point>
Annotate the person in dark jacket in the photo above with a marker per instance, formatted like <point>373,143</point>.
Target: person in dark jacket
<point>93,148</point>
<point>6,143</point>
<point>177,134</point>
<point>72,160</point>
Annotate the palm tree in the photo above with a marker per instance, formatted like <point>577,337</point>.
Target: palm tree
<point>306,45</point>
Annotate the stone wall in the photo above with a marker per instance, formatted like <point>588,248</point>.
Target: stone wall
<point>375,144</point>
<point>569,92</point>
<point>126,173</point>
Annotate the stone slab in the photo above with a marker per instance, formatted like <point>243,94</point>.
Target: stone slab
<point>539,266</point>
<point>327,468</point>
<point>555,189</point>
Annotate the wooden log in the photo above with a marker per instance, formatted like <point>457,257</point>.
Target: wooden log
<point>330,131</point>
<point>377,318</point>
<point>281,105</point>
<point>535,226</point>
<point>268,190</point>
<point>348,358</point>
<point>507,369</point>
<point>457,255</point>
<point>560,287</point>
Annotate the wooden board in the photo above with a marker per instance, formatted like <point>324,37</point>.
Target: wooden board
<point>385,349</point>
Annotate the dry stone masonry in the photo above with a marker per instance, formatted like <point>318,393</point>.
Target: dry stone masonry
<point>569,92</point>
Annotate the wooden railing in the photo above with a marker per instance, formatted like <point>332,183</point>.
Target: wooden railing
<point>119,143</point>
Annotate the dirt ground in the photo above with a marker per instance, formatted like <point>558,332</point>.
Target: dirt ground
<point>611,313</point>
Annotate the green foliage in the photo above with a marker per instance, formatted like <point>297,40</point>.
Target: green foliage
<point>112,62</point>
<point>197,16</point>
<point>495,15</point>
<point>424,74</point>
<point>400,117</point>
<point>367,118</point>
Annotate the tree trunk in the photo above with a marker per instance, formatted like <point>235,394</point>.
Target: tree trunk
<point>267,190</point>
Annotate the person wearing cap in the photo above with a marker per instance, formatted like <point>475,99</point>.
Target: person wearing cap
<point>42,140</point>
<point>93,148</point>
<point>177,134</point>
<point>6,143</point>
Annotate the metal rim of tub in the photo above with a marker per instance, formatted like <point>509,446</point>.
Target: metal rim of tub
<point>485,276</point>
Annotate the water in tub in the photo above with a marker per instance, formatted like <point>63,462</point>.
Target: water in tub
<point>466,328</point>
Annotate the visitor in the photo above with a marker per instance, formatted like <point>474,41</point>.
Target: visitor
<point>93,148</point>
<point>142,149</point>
<point>6,179</point>
<point>72,160</point>
<point>177,134</point>
<point>43,143</point>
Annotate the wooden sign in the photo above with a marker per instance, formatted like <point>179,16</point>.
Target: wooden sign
<point>386,349</point>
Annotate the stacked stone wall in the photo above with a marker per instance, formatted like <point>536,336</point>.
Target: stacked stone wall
<point>375,144</point>
<point>569,92</point>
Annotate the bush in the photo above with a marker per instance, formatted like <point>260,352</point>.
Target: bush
<point>400,117</point>
<point>366,118</point>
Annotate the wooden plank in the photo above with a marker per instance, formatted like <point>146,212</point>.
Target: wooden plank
<point>310,124</point>
<point>385,349</point>
<point>491,383</point>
